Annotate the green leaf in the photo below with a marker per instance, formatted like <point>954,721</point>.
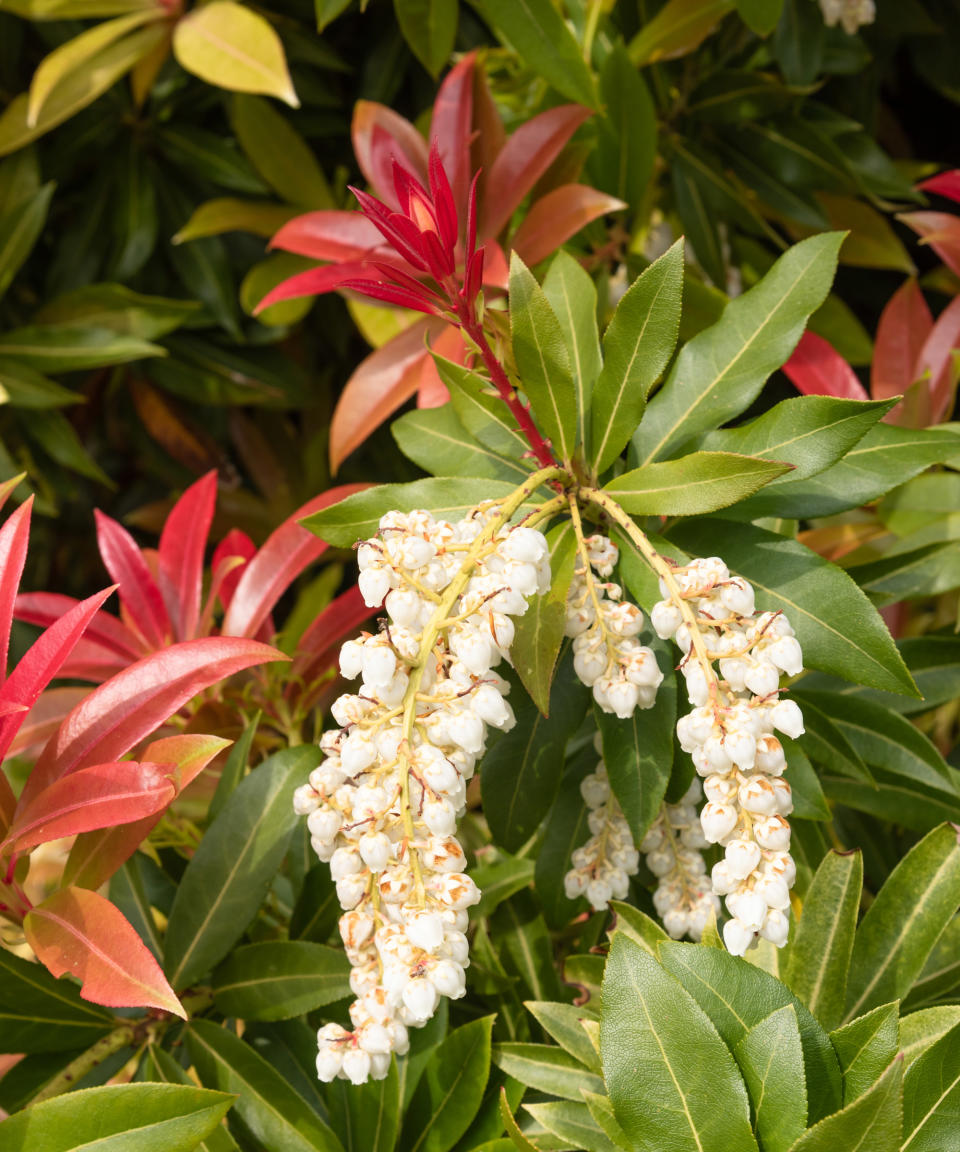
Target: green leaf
<point>539,632</point>
<point>19,231</point>
<point>637,347</point>
<point>66,348</point>
<point>234,865</point>
<point>627,135</point>
<point>770,1056</point>
<point>543,362</point>
<point>121,1117</point>
<point>480,409</point>
<point>41,1014</point>
<point>235,766</point>
<point>517,1138</point>
<point>809,802</point>
<point>920,1030</point>
<point>827,745</point>
<point>888,798</point>
<point>639,927</point>
<point>28,388</point>
<point>699,220</point>
<point>678,28</point>
<point>129,892</point>
<point>865,1048</point>
<point>117,309</point>
<point>429,27</point>
<point>839,629</point>
<point>692,485</point>
<point>525,948</point>
<point>538,33</point>
<point>57,437</point>
<point>809,432</point>
<point>227,214</point>
<point>931,1097</point>
<point>358,516</point>
<point>572,295</point>
<point>520,773</point>
<point>450,1089</point>
<point>498,882</point>
<point>872,1121</point>
<point>210,157</point>
<point>941,973</point>
<point>737,995</point>
<point>823,943</point>
<point>435,439</point>
<point>161,1066</point>
<point>650,1022</point>
<point>367,1116</point>
<point>565,829</point>
<point>279,979</point>
<point>274,1114</point>
<point>573,1124</point>
<point>327,11</point>
<point>904,922</point>
<point>760,16</point>
<point>280,154</point>
<point>927,571</point>
<point>564,1022</point>
<point>317,910</point>
<point>546,1069</point>
<point>722,370</point>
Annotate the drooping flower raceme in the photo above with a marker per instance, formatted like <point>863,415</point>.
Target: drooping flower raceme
<point>607,656</point>
<point>382,808</point>
<point>684,897</point>
<point>730,736</point>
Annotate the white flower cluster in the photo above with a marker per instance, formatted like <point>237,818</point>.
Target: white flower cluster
<point>382,808</point>
<point>850,14</point>
<point>684,897</point>
<point>603,866</point>
<point>730,735</point>
<point>607,656</point>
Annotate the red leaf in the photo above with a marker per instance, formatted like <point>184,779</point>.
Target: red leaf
<point>44,718</point>
<point>944,184</point>
<point>381,136</point>
<point>488,132</point>
<point>936,357</point>
<point>314,282</point>
<point>320,643</point>
<point>284,555</point>
<point>44,659</point>
<point>180,556</point>
<point>554,218</point>
<point>14,538</point>
<point>100,796</point>
<point>904,326</point>
<point>136,586</point>
<point>8,804</point>
<point>941,231</point>
<point>392,294</point>
<point>82,933</point>
<point>523,160</point>
<point>815,369</point>
<point>95,856</point>
<point>450,127</point>
<point>383,381</point>
<point>128,707</point>
<point>235,549</point>
<point>46,608</point>
<point>91,661</point>
<point>328,235</point>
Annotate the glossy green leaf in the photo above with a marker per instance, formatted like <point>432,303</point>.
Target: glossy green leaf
<point>498,882</point>
<point>678,28</point>
<point>872,1121</point>
<point>546,1068</point>
<point>121,1118</point>
<point>538,33</point>
<point>839,629</point>
<point>700,221</point>
<point>760,16</point>
<point>826,744</point>
<point>904,922</point>
<point>159,1065</point>
<point>54,433</point>
<point>480,409</point>
<point>543,362</point>
<point>627,134</point>
<point>117,309</point>
<point>770,1056</point>
<point>638,926</point>
<point>920,1030</point>
<point>637,347</point>
<point>517,1138</point>
<point>650,1022</point>
<point>927,571</point>
<point>317,910</point>
<point>823,943</point>
<point>572,295</point>
<point>135,226</point>
<point>210,157</point>
<point>278,979</point>
<point>692,485</point>
<point>129,892</point>
<point>227,214</point>
<point>931,1097</point>
<point>435,439</point>
<point>429,27</point>
<point>602,1111</point>
<point>573,1124</point>
<point>234,767</point>
<point>539,632</point>
<point>809,802</point>
<point>722,370</point>
<point>525,948</point>
<point>564,1022</point>
<point>41,1014</point>
<point>274,1114</point>
<point>19,231</point>
<point>230,872</point>
<point>28,388</point>
<point>367,1116</point>
<point>941,973</point>
<point>450,1089</point>
<point>65,348</point>
<point>889,798</point>
<point>865,1048</point>
<point>280,154</point>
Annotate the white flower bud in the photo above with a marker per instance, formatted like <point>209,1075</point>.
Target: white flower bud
<point>420,1000</point>
<point>773,833</point>
<point>425,929</point>
<point>448,979</point>
<point>718,821</point>
<point>737,937</point>
<point>305,800</point>
<point>665,619</point>
<point>374,584</point>
<point>776,928</point>
<point>376,850</point>
<point>351,890</point>
<point>742,857</point>
<point>757,796</point>
<point>787,718</point>
<point>329,1062</point>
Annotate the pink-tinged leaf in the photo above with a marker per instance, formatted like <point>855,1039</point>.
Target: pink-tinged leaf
<point>235,550</point>
<point>382,382</point>
<point>95,856</point>
<point>450,127</point>
<point>314,282</point>
<point>944,184</point>
<point>8,804</point>
<point>92,662</point>
<point>14,538</point>
<point>392,294</point>
<point>488,132</point>
<point>432,392</point>
<point>554,218</point>
<point>319,646</point>
<point>82,933</point>
<point>941,231</point>
<point>330,235</point>
<point>46,608</point>
<point>44,718</point>
<point>496,270</point>
<point>136,586</point>
<point>127,708</point>
<point>100,796</point>
<point>7,486</point>
<point>904,327</point>
<point>815,369</point>
<point>180,555</point>
<point>41,663</point>
<point>936,357</point>
<point>523,160</point>
<point>381,136</point>
<point>284,555</point>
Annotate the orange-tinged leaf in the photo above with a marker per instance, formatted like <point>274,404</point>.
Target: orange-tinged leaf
<point>904,327</point>
<point>554,218</point>
<point>82,933</point>
<point>185,757</point>
<point>233,47</point>
<point>941,230</point>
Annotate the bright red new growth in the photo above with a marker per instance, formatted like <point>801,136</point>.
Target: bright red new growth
<point>817,369</point>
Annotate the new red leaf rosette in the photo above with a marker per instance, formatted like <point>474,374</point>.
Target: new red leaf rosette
<point>81,932</point>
